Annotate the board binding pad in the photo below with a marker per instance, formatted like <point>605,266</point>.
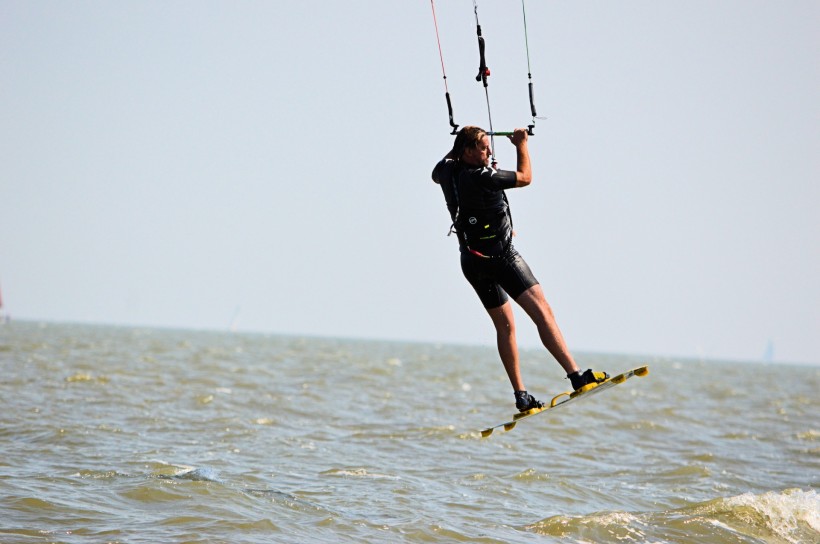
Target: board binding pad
<point>582,392</point>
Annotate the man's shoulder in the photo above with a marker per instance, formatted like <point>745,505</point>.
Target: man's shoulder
<point>485,172</point>
<point>444,170</point>
<point>490,178</point>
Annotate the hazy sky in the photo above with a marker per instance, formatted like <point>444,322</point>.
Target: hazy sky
<point>191,163</point>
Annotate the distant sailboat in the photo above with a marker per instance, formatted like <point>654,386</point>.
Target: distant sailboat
<point>768,355</point>
<point>234,320</point>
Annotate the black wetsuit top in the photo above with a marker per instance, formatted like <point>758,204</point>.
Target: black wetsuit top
<point>477,204</point>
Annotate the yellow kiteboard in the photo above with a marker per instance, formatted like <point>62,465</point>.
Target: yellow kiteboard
<point>584,392</point>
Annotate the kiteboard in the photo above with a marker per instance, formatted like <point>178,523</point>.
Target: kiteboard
<point>571,396</point>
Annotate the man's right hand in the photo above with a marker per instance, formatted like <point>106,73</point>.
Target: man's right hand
<point>519,136</point>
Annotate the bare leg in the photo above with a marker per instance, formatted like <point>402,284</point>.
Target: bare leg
<point>535,304</point>
<point>504,323</point>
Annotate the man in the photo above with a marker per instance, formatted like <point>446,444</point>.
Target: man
<point>475,197</point>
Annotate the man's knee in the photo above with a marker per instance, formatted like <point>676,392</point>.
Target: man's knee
<point>502,317</point>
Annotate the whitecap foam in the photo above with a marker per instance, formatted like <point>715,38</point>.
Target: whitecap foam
<point>789,514</point>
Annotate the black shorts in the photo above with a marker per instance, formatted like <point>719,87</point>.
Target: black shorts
<point>494,279</point>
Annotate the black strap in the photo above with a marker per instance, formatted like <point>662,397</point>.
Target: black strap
<point>462,234</point>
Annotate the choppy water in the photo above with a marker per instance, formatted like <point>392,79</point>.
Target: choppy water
<point>134,435</point>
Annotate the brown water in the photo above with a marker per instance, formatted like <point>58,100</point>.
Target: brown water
<point>135,435</point>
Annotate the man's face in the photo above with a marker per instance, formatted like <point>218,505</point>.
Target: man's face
<point>480,154</point>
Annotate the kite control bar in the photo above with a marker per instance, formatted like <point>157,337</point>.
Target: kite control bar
<point>484,73</point>
<point>509,133</point>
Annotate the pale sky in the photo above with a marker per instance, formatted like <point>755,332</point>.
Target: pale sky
<point>193,163</point>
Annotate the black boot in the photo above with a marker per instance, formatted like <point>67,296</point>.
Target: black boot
<point>524,401</point>
<point>579,380</point>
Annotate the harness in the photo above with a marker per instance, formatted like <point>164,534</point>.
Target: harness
<point>480,226</point>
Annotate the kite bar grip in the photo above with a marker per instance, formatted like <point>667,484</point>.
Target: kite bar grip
<point>532,101</point>
<point>483,71</point>
<point>450,111</point>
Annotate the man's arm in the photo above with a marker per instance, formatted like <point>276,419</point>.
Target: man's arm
<point>523,172</point>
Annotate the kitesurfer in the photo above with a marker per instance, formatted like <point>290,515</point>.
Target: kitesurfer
<point>478,206</point>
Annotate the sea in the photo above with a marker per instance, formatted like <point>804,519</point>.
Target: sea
<point>140,435</point>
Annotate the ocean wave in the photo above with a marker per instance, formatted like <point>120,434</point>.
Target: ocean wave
<point>167,471</point>
<point>358,472</point>
<point>791,516</point>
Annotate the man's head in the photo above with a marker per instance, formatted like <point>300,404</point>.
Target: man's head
<point>472,146</point>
